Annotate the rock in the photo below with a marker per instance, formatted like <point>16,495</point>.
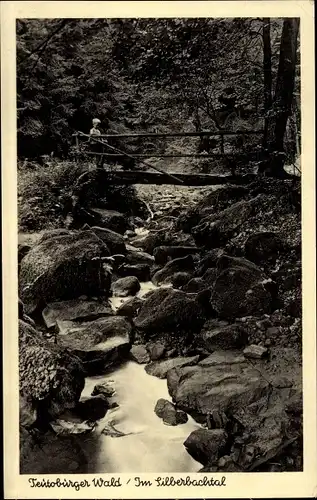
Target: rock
<point>213,337</point>
<point>171,416</point>
<point>227,261</point>
<point>149,242</point>
<point>263,247</point>
<point>267,428</point>
<point>206,446</point>
<point>180,279</point>
<point>255,351</point>
<point>100,344</point>
<point>75,309</point>
<point>215,230</point>
<point>156,350</point>
<point>124,287</point>
<point>226,464</point>
<point>93,408</point>
<point>64,452</point>
<point>114,241</point>
<point>63,267</point>
<point>52,233</point>
<point>215,201</point>
<point>105,389</point>
<point>110,219</point>
<point>222,388</point>
<point>136,256</point>
<point>161,368</point>
<point>174,266</point>
<point>65,427</point>
<point>140,271</point>
<point>194,285</point>
<point>222,358</point>
<point>168,310</point>
<point>164,253</point>
<point>139,354</point>
<point>241,291</point>
<point>130,308</point>
<point>47,373</point>
<point>209,260</point>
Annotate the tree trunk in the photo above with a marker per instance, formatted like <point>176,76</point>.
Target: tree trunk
<point>285,80</point>
<point>267,69</point>
<point>282,102</point>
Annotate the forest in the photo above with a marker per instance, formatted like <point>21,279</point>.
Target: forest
<point>159,284</point>
<point>156,75</point>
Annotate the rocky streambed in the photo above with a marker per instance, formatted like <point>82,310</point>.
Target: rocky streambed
<point>174,347</point>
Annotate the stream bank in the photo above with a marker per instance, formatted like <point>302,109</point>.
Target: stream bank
<point>215,311</point>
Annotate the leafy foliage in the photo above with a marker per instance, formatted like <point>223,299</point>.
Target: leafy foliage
<point>140,74</point>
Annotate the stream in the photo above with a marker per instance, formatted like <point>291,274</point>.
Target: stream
<point>149,445</point>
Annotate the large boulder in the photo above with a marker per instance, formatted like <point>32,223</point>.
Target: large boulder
<point>75,309</point>
<point>110,219</point>
<point>99,344</point>
<point>48,374</point>
<point>114,241</point>
<point>168,310</point>
<point>216,388</point>
<point>63,267</point>
<point>165,410</point>
<point>205,445</point>
<point>174,266</point>
<point>124,287</point>
<point>241,291</point>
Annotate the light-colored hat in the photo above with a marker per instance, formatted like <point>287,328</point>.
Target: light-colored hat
<point>96,121</point>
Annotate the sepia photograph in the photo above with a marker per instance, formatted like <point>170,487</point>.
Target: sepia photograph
<point>159,245</point>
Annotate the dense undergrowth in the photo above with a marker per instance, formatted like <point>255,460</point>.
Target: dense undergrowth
<point>45,195</point>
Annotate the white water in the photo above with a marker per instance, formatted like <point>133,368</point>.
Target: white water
<point>152,446</point>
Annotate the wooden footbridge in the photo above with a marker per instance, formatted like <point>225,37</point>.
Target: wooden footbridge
<point>143,173</point>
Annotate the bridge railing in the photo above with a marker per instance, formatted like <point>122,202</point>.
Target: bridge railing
<point>220,133</point>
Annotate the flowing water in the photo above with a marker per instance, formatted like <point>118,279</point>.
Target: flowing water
<point>149,445</point>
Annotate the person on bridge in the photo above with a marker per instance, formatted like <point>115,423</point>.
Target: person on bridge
<point>96,147</point>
